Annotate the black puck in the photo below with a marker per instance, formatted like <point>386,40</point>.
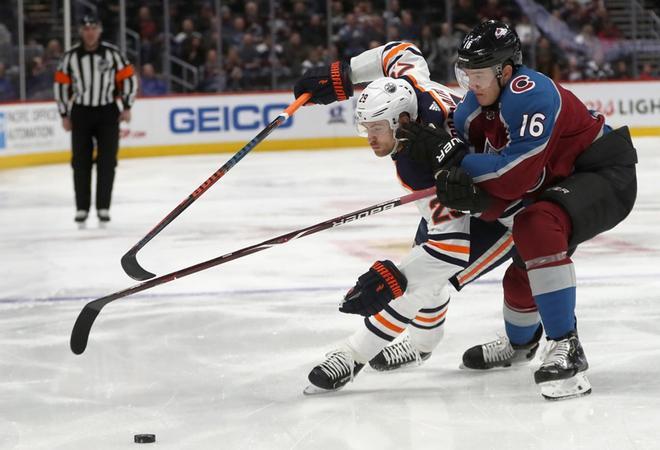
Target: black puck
<point>144,438</point>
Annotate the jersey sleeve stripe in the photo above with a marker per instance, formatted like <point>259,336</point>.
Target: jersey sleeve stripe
<point>430,319</point>
<point>502,247</point>
<point>393,62</point>
<point>430,91</point>
<point>434,310</point>
<point>444,257</point>
<point>387,324</point>
<point>445,236</point>
<point>392,53</point>
<point>450,247</point>
<point>390,45</point>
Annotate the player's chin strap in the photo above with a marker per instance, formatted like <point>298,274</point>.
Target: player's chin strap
<point>395,147</point>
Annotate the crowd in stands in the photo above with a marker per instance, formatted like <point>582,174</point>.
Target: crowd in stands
<point>255,52</point>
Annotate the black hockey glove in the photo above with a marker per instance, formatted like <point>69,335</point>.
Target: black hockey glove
<point>455,190</point>
<point>375,289</point>
<point>327,84</point>
<point>431,146</point>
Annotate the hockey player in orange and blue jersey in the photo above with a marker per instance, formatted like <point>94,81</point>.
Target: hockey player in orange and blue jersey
<point>407,330</point>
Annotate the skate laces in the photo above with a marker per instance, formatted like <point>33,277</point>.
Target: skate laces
<point>338,363</point>
<point>498,350</point>
<point>401,352</point>
<point>556,353</point>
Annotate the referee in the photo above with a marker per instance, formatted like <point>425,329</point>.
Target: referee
<point>90,79</point>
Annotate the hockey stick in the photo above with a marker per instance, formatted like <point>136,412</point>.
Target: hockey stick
<point>129,260</point>
<point>91,310</point>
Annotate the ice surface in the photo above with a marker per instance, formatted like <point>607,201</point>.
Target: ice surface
<point>218,360</point>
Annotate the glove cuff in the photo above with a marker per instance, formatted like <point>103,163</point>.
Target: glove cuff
<point>340,73</point>
<point>386,274</point>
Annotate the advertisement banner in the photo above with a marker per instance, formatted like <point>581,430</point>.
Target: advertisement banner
<point>31,133</point>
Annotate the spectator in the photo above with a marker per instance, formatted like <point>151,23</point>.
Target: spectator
<point>647,72</point>
<point>146,25</point>
<point>465,16</point>
<point>316,31</point>
<point>546,59</point>
<point>7,88</point>
<point>351,37</point>
<point>408,30</point>
<point>150,84</point>
<point>193,51</point>
<point>235,81</point>
<point>447,45</point>
<point>591,45</point>
<point>214,78</point>
<point>253,20</point>
<point>237,31</point>
<point>52,55</point>
<point>573,71</point>
<point>39,83</point>
<point>492,9</point>
<point>621,70</point>
<point>299,17</point>
<point>429,47</point>
<point>528,35</point>
<point>250,57</point>
<point>294,54</point>
<point>314,59</point>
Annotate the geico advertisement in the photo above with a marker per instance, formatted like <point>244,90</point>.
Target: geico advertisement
<point>37,127</point>
<point>636,103</point>
<point>180,120</point>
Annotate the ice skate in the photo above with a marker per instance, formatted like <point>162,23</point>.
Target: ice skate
<point>562,373</point>
<point>103,215</point>
<point>500,353</point>
<point>80,218</point>
<point>334,373</point>
<point>396,356</point>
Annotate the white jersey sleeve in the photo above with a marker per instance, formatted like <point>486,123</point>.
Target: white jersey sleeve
<point>404,60</point>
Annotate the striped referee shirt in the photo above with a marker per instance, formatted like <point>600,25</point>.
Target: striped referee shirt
<point>94,78</point>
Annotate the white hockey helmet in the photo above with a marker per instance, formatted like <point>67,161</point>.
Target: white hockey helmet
<point>385,99</point>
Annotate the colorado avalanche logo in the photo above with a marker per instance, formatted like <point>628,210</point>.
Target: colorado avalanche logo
<point>490,148</point>
<point>521,84</point>
<point>500,32</point>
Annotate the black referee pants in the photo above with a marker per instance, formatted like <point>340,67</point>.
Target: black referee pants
<point>88,122</point>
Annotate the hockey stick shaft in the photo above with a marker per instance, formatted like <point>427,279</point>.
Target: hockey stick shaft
<point>129,261</point>
<point>83,325</point>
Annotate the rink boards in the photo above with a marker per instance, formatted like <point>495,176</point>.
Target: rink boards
<point>31,133</point>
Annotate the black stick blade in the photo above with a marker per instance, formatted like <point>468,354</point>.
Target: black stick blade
<point>133,269</point>
<point>81,329</point>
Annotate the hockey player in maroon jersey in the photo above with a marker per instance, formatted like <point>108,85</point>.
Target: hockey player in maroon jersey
<point>531,139</point>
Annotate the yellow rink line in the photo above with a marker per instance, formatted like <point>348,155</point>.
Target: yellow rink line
<point>58,157</point>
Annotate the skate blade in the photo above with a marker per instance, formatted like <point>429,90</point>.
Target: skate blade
<point>315,390</point>
<point>573,387</point>
<point>82,225</point>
